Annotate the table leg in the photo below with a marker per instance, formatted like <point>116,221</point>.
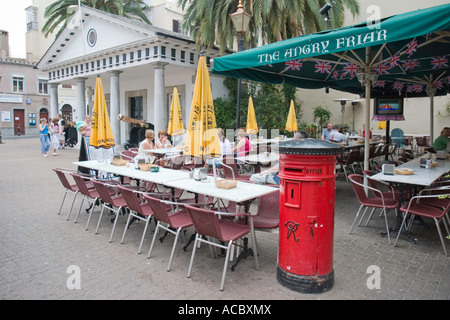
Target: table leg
<point>246,252</point>
<point>399,217</point>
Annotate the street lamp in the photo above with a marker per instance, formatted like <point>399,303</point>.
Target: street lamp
<point>240,21</point>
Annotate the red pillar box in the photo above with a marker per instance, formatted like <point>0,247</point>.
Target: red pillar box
<point>307,193</point>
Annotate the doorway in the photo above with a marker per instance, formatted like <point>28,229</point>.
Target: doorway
<point>66,113</point>
<point>136,108</point>
<point>19,122</point>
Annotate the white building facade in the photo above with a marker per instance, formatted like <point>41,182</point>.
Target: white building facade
<point>139,65</point>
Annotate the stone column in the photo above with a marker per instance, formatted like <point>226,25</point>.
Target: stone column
<point>90,95</point>
<point>159,107</point>
<point>80,109</point>
<point>54,107</point>
<point>115,105</point>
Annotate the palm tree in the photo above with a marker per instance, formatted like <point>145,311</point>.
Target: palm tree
<point>60,12</point>
<point>209,22</point>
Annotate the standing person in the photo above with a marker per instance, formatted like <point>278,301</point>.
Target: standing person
<point>363,131</point>
<point>326,133</point>
<point>55,135</point>
<point>61,125</point>
<point>45,141</point>
<point>337,136</point>
<point>243,147</point>
<point>85,129</point>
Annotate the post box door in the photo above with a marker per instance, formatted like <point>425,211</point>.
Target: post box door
<point>299,234</point>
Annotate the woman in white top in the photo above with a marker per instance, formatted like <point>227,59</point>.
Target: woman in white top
<point>147,144</point>
<point>225,148</point>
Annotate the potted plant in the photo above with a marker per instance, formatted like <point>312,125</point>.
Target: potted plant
<point>322,115</point>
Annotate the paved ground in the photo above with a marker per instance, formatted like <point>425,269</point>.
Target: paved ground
<point>41,252</point>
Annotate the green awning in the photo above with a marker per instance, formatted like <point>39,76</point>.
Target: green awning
<point>408,52</point>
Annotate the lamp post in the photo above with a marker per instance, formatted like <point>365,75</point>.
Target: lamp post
<point>240,21</point>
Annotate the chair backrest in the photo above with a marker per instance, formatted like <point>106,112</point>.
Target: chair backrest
<point>205,221</point>
<point>103,191</point>
<point>372,183</point>
<point>397,136</point>
<point>268,215</point>
<point>353,156</point>
<point>421,141</point>
<point>62,177</point>
<point>128,155</point>
<point>81,183</point>
<point>230,167</point>
<point>131,198</point>
<point>358,186</point>
<point>159,209</point>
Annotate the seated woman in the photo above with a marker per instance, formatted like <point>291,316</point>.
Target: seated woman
<point>147,144</point>
<point>163,141</point>
<point>243,147</point>
<point>225,148</point>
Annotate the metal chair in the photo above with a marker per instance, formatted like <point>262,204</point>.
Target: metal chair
<point>208,224</point>
<point>114,203</point>
<point>347,161</point>
<point>139,209</point>
<point>62,175</point>
<point>230,170</point>
<point>368,202</point>
<point>174,222</point>
<point>421,144</point>
<point>90,195</point>
<point>268,212</point>
<point>427,205</point>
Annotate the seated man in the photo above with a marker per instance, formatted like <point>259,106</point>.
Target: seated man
<point>336,136</point>
<point>441,142</point>
<point>326,133</point>
<point>267,176</point>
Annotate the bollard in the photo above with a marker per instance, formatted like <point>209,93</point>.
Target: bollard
<point>307,195</point>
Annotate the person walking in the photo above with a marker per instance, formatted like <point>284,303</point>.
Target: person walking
<point>55,136</point>
<point>45,141</point>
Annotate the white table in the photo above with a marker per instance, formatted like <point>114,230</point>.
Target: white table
<point>164,150</point>
<point>243,193</point>
<point>421,177</point>
<point>160,177</point>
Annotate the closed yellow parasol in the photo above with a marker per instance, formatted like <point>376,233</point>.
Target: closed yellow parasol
<point>252,126</point>
<point>291,123</point>
<point>101,132</point>
<point>175,126</point>
<point>202,138</point>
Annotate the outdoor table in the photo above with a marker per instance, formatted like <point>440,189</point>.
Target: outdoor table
<point>244,193</point>
<point>421,177</point>
<point>160,177</point>
<point>259,159</point>
<point>163,151</point>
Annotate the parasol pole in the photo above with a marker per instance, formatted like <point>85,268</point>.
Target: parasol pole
<point>367,111</point>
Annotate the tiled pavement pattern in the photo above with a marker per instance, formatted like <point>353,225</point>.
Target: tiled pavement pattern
<point>37,246</point>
